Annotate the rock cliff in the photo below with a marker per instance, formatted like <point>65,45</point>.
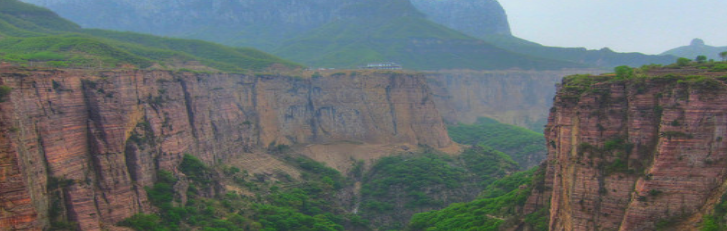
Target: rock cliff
<point>81,145</point>
<point>515,97</point>
<point>645,153</point>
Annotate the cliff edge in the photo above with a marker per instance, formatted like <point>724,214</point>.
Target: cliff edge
<point>642,149</point>
<point>82,145</point>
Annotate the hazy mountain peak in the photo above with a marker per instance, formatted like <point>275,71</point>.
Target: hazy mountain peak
<point>697,42</point>
<point>477,18</point>
<point>696,48</point>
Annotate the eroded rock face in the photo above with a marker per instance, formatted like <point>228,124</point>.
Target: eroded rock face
<point>635,155</point>
<point>515,97</point>
<point>86,143</point>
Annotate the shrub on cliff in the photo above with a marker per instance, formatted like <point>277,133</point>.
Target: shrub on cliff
<point>4,92</point>
<point>195,169</point>
<point>624,72</point>
<point>682,62</point>
<point>150,222</point>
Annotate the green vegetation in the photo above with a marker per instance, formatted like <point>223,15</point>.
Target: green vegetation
<point>624,72</point>
<point>487,163</point>
<point>34,36</point>
<point>413,174</point>
<point>56,190</point>
<point>195,169</point>
<point>696,48</point>
<point>397,186</point>
<point>704,77</point>
<point>497,205</point>
<point>598,58</point>
<point>615,154</point>
<point>701,59</point>
<point>524,146</point>
<point>4,92</point>
<point>716,220</point>
<point>683,62</point>
<point>283,204</point>
<point>378,31</point>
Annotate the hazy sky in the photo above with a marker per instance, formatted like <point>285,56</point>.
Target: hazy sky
<point>647,26</point>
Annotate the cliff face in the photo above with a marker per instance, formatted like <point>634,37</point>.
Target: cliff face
<point>515,97</point>
<point>639,154</point>
<point>82,145</point>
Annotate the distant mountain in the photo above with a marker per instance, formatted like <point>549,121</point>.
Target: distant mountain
<point>263,24</point>
<point>477,18</point>
<point>30,34</point>
<point>254,23</point>
<point>394,30</point>
<point>599,58</point>
<point>697,48</point>
<point>426,34</point>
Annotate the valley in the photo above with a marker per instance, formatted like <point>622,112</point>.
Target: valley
<point>109,124</point>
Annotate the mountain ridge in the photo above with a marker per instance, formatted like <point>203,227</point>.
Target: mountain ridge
<point>35,34</point>
<point>696,48</point>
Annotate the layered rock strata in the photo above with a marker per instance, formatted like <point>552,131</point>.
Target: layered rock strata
<point>82,145</point>
<point>638,154</point>
<point>516,97</point>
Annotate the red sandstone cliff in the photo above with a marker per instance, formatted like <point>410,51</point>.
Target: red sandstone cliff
<point>636,154</point>
<point>86,143</point>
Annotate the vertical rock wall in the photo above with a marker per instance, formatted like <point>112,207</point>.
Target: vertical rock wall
<point>641,154</point>
<point>81,145</point>
<point>515,97</point>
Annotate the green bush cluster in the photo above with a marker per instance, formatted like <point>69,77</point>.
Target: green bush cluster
<point>715,221</point>
<point>487,163</point>
<point>519,143</point>
<point>4,92</point>
<point>416,181</point>
<point>498,204</point>
<point>412,173</point>
<point>306,205</point>
<point>195,169</point>
<point>321,172</point>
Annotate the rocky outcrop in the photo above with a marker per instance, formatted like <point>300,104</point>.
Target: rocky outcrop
<point>637,154</point>
<point>477,18</point>
<point>82,145</point>
<point>515,97</point>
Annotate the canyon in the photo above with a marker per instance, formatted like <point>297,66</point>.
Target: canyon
<point>103,135</point>
<point>88,142</point>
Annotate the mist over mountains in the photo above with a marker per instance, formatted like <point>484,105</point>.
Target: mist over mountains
<point>697,47</point>
<point>255,22</point>
<point>347,33</point>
